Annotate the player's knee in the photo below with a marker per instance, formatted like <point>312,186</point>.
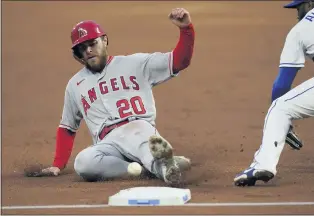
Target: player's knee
<point>282,106</point>
<point>84,166</point>
<point>279,106</point>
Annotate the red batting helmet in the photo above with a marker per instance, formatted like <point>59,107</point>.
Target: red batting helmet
<point>84,31</point>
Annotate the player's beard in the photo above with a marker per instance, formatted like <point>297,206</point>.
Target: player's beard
<point>98,68</point>
<point>301,14</point>
<point>303,9</point>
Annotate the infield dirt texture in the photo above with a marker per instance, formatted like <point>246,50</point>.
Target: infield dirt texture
<point>213,112</point>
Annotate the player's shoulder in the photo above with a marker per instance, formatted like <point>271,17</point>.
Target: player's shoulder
<point>131,56</point>
<point>305,25</point>
<point>136,56</point>
<point>294,33</point>
<point>303,29</point>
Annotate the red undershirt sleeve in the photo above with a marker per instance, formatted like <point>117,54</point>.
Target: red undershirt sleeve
<point>64,146</point>
<point>183,52</point>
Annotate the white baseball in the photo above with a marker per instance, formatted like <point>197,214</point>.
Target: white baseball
<point>134,169</point>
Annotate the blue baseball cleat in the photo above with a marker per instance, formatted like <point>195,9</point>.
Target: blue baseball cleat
<point>250,176</point>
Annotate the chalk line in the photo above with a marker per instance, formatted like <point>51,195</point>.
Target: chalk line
<point>185,205</point>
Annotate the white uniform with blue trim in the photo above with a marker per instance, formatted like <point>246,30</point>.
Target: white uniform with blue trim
<point>299,43</point>
<point>298,103</point>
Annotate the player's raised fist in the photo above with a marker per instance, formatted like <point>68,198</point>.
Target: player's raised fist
<point>180,17</point>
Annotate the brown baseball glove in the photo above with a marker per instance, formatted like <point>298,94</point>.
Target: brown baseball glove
<point>39,171</point>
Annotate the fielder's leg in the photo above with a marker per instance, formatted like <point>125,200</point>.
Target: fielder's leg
<point>296,104</point>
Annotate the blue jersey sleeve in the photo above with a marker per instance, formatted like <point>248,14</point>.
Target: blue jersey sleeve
<point>283,81</point>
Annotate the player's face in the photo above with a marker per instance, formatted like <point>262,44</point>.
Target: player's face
<point>303,9</point>
<point>94,53</point>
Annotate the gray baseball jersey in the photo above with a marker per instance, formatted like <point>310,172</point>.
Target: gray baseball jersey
<point>123,90</point>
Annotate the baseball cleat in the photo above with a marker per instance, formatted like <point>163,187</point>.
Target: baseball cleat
<point>183,162</point>
<point>162,150</point>
<point>250,176</point>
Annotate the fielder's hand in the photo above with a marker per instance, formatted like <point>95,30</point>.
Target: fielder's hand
<point>37,171</point>
<point>180,17</point>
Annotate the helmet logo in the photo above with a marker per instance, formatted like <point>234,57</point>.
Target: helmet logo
<point>82,32</point>
<point>97,30</point>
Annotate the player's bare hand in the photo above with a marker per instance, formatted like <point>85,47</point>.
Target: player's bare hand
<point>180,17</point>
<point>51,171</point>
<point>37,171</point>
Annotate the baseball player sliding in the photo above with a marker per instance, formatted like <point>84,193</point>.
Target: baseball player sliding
<point>287,105</point>
<point>113,94</point>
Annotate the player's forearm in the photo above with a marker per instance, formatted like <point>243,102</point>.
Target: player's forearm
<point>183,52</point>
<point>283,81</point>
<point>64,145</point>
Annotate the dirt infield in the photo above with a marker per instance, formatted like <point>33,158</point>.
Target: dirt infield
<point>213,112</point>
